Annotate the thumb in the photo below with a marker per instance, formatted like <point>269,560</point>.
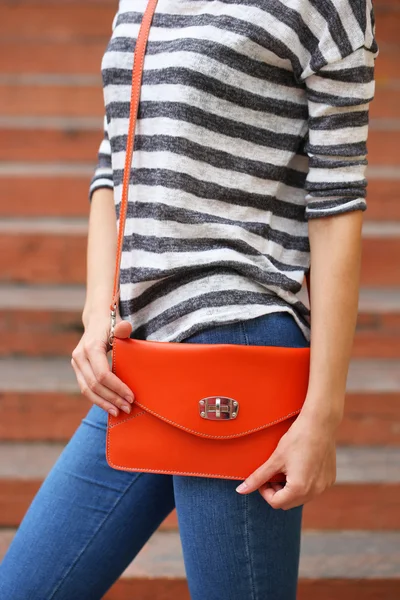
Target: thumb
<point>282,498</point>
<point>123,329</point>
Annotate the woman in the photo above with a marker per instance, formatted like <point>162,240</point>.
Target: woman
<point>250,158</point>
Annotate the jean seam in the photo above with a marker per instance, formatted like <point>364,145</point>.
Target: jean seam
<point>244,332</point>
<point>247,546</point>
<point>62,580</point>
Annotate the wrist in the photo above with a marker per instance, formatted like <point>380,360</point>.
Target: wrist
<point>326,411</point>
<point>96,314</point>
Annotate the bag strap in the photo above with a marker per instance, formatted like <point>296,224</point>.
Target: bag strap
<point>137,72</point>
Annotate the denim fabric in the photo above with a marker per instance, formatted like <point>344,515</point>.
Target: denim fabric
<point>88,521</point>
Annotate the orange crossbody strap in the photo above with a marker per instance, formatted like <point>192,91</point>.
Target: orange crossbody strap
<point>137,71</point>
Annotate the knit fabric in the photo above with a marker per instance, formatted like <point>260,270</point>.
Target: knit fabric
<point>253,119</point>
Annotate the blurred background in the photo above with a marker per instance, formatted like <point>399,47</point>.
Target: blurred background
<point>51,110</point>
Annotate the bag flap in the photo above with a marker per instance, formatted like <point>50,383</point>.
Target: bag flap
<point>170,379</point>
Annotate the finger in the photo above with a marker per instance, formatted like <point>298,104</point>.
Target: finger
<point>91,382</point>
<point>267,491</point>
<point>277,486</point>
<point>288,497</point>
<point>91,396</point>
<point>123,329</point>
<point>261,475</point>
<point>103,374</point>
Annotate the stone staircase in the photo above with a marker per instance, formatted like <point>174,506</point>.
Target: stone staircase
<point>50,121</point>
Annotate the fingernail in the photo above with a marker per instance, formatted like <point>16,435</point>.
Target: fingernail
<point>126,409</point>
<point>129,399</point>
<point>242,487</point>
<point>114,412</point>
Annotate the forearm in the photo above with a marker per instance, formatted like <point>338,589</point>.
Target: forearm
<point>101,254</point>
<point>336,245</point>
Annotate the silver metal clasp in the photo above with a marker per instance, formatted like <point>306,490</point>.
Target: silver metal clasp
<point>218,408</point>
<point>113,321</point>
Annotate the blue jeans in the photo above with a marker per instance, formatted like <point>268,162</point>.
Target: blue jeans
<point>88,521</point>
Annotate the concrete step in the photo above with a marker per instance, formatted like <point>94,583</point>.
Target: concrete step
<point>61,190</point>
<point>45,320</point>
<point>366,495</point>
<point>27,244</point>
<point>347,564</point>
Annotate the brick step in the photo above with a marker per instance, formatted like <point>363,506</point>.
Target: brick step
<point>379,267</point>
<point>27,244</point>
<point>83,56</point>
<point>72,20</point>
<point>308,589</point>
<point>63,194</point>
<point>61,139</point>
<point>378,324</point>
<point>386,101</point>
<point>387,65</point>
<point>34,241</point>
<point>35,415</point>
<point>62,190</point>
<point>324,555</point>
<point>46,56</point>
<point>366,495</point>
<point>39,97</point>
<point>349,565</point>
<point>60,21</point>
<point>46,321</point>
<point>40,320</point>
<point>40,400</point>
<point>388,23</point>
<point>52,100</point>
<point>73,139</point>
<point>383,194</point>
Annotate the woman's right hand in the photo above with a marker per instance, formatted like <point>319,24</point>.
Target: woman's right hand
<point>96,380</point>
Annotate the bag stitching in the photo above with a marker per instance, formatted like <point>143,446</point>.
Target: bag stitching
<point>206,435</point>
<point>143,412</point>
<point>199,434</point>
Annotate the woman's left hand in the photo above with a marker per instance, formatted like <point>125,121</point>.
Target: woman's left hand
<point>306,454</point>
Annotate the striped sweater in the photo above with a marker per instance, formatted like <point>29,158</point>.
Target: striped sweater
<point>253,119</point>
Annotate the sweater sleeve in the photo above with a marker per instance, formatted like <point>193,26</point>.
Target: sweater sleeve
<point>338,96</point>
<point>103,174</point>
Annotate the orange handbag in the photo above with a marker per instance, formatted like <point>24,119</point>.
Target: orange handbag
<point>209,410</point>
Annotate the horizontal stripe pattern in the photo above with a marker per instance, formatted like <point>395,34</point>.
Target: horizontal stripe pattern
<point>253,119</point>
